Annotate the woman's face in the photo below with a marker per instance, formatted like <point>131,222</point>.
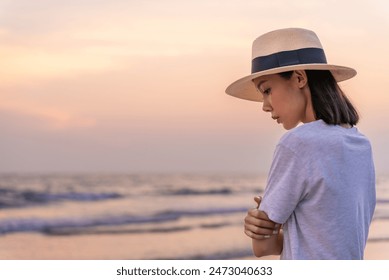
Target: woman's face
<point>288,101</point>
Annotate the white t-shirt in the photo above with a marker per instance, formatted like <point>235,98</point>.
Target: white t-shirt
<point>321,187</point>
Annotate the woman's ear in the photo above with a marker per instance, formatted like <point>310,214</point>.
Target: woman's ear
<point>301,78</point>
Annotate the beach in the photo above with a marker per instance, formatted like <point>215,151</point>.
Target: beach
<point>198,217</point>
<point>27,246</point>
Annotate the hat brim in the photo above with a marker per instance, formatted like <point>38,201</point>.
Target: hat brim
<point>244,88</point>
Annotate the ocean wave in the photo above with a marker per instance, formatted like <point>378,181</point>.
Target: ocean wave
<point>11,198</point>
<point>51,226</point>
<point>157,229</point>
<point>378,239</point>
<point>189,191</point>
<point>75,196</point>
<point>382,200</point>
<point>204,212</point>
<point>221,255</point>
<point>97,231</point>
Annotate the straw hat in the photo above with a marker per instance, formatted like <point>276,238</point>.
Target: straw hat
<point>285,50</point>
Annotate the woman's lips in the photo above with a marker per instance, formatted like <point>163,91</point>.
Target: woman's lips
<point>276,119</point>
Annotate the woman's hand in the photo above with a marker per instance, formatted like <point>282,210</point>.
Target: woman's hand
<point>257,224</point>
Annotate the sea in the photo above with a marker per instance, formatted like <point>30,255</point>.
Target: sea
<point>99,203</point>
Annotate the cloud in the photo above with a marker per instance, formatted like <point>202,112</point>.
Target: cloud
<point>143,81</point>
<point>37,117</point>
<point>28,64</point>
<point>80,40</point>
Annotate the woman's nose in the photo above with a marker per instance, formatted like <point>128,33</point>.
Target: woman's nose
<point>266,105</point>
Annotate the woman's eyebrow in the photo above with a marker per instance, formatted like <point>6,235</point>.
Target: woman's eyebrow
<point>260,83</point>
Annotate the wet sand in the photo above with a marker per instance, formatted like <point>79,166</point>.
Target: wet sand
<point>178,245</point>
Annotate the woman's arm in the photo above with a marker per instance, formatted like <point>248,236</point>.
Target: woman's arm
<point>266,235</point>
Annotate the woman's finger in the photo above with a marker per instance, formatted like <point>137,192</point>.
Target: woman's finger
<point>258,200</point>
<point>256,236</point>
<point>258,230</point>
<point>258,219</point>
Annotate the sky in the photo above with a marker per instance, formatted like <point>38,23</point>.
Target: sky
<point>138,86</point>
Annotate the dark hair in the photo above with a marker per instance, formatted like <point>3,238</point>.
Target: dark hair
<point>328,100</point>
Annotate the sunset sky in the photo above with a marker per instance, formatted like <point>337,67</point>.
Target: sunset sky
<point>138,86</point>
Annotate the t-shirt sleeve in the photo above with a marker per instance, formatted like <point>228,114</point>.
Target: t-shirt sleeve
<point>286,185</point>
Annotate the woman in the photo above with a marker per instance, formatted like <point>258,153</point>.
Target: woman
<point>320,194</point>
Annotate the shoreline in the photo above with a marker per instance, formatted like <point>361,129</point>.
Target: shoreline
<point>219,243</point>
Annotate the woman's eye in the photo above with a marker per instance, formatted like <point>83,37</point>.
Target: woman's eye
<point>267,91</point>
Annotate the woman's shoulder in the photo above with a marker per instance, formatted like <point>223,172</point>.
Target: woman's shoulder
<point>304,133</point>
<point>319,134</point>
